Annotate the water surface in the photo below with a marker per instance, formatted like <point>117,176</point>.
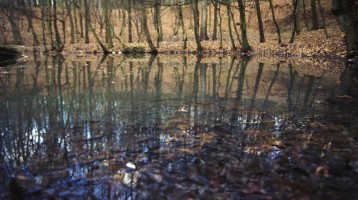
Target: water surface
<point>176,127</point>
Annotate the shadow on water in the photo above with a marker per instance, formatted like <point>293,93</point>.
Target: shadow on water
<point>176,127</point>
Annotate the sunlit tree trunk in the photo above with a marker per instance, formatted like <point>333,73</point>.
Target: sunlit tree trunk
<point>214,37</point>
<point>245,42</point>
<point>107,22</point>
<point>130,37</point>
<point>204,21</point>
<point>259,19</point>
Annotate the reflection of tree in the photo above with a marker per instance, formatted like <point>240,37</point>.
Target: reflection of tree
<point>90,110</point>
<point>250,117</point>
<point>230,78</point>
<point>264,105</point>
<point>291,88</point>
<point>240,85</point>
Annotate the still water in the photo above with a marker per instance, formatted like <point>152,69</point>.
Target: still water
<point>176,127</point>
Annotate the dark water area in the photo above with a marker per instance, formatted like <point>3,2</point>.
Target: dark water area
<point>179,127</point>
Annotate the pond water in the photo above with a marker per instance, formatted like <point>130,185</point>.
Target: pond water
<point>177,127</point>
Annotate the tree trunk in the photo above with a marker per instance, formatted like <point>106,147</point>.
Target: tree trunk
<point>294,13</point>
<point>259,19</point>
<point>158,21</point>
<point>14,27</point>
<point>228,12</point>
<point>275,22</point>
<point>107,22</point>
<point>347,14</point>
<point>43,25</point>
<point>87,20</point>
<point>204,21</point>
<point>130,37</point>
<point>146,30</point>
<point>314,15</point>
<point>80,7</point>
<point>72,26</point>
<point>323,19</point>
<point>235,28</point>
<point>59,46</point>
<point>196,26</point>
<point>104,48</point>
<point>245,42</point>
<point>304,13</point>
<point>215,20</point>
<point>181,19</point>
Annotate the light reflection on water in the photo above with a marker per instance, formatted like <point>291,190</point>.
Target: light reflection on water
<point>72,120</point>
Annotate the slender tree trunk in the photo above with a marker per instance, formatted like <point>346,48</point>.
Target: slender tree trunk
<point>259,19</point>
<point>130,37</point>
<point>275,22</point>
<point>104,48</point>
<point>204,21</point>
<point>196,26</point>
<point>59,46</point>
<point>158,21</point>
<point>43,25</point>
<point>146,30</point>
<point>214,37</point>
<point>80,7</point>
<point>304,13</point>
<point>235,28</point>
<point>220,29</point>
<point>14,26</point>
<point>314,15</point>
<point>72,26</point>
<point>29,14</point>
<point>107,13</point>
<point>323,19</point>
<point>121,34</point>
<point>87,20</point>
<point>294,13</point>
<point>245,42</point>
<point>181,19</point>
<point>49,23</point>
<point>228,11</point>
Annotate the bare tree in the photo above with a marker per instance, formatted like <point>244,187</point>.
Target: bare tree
<point>245,42</point>
<point>259,19</point>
